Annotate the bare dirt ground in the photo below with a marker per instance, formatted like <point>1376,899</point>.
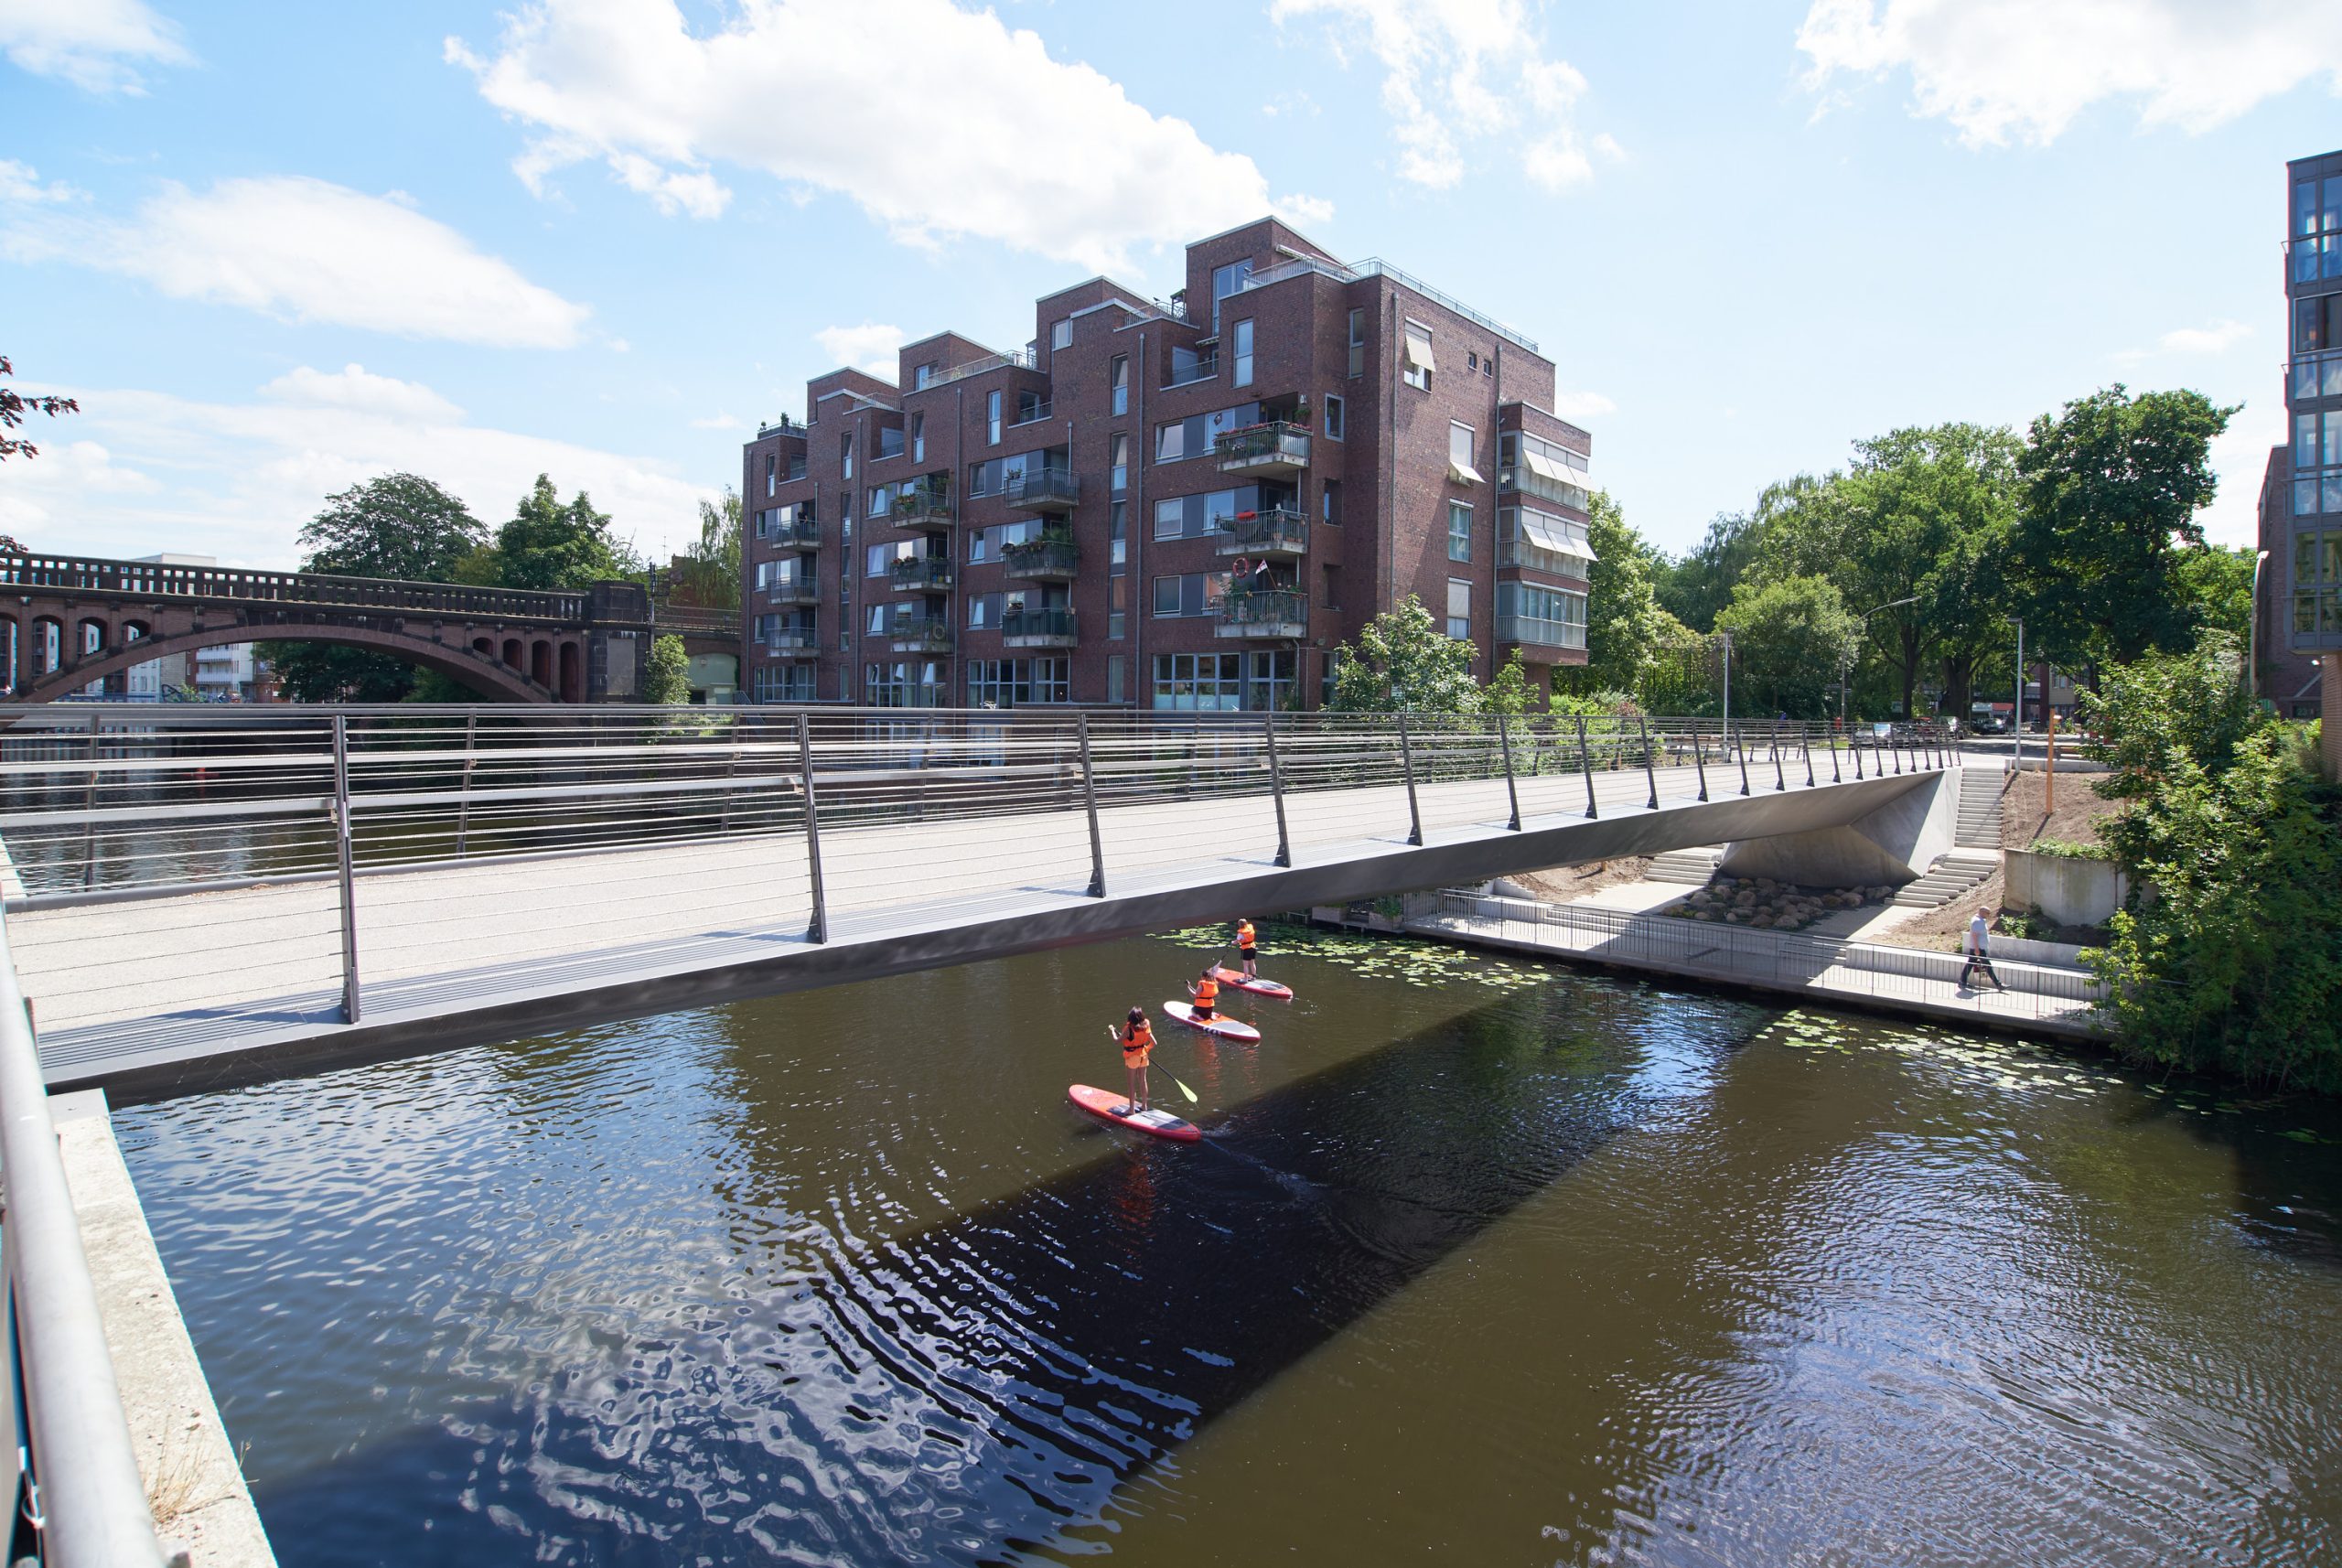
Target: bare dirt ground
<point>2026,815</point>
<point>1562,883</point>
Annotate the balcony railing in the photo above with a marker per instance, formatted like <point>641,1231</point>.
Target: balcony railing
<point>1265,612</point>
<point>1048,559</point>
<point>1521,555</point>
<point>920,634</point>
<point>805,533</point>
<point>1375,267</point>
<point>792,643</point>
<point>1042,489</point>
<point>2315,375</point>
<point>1278,446</point>
<point>1206,366</point>
<point>921,572</point>
<point>1274,530</point>
<point>793,591</point>
<point>1539,633</point>
<point>1017,360</point>
<point>922,506</point>
<point>1031,413</point>
<point>784,425</point>
<point>1037,628</point>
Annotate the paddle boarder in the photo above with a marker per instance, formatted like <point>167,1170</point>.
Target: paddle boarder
<point>1207,994</point>
<point>1137,1037</point>
<point>1246,950</point>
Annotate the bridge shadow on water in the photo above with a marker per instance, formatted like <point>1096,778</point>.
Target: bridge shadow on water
<point>981,1389</point>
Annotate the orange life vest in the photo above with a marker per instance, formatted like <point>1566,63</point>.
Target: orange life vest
<point>1244,934</point>
<point>1207,991</point>
<point>1137,1040</point>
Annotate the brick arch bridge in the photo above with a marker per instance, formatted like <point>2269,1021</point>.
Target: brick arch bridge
<point>65,622</point>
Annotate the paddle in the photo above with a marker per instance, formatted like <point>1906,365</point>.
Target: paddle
<point>1166,1071</point>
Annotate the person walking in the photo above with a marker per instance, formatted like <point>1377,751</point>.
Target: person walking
<point>1978,950</point>
<point>1247,950</point>
<point>1137,1039</point>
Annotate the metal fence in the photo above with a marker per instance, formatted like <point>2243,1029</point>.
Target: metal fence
<point>1872,971</point>
<point>77,1499</point>
<point>99,807</point>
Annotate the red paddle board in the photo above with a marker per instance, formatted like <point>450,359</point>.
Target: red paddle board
<point>1108,1107</point>
<point>1227,1028</point>
<point>1235,977</point>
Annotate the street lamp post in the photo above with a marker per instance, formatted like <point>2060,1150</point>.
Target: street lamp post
<point>1727,690</point>
<point>2017,729</point>
<point>2253,635</point>
<point>1845,662</point>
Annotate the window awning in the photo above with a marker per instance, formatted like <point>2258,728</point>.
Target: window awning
<point>1461,473</point>
<point>1418,351</point>
<point>1547,533</point>
<point>1546,467</point>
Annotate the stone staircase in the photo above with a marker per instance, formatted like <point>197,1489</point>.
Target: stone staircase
<point>1978,826</point>
<point>1953,873</point>
<point>1694,866</point>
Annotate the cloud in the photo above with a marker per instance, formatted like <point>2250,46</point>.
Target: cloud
<point>90,43</point>
<point>869,347</point>
<point>2216,339</point>
<point>2239,456</point>
<point>720,421</point>
<point>941,123</point>
<point>1574,406</point>
<point>302,250</point>
<point>1457,71</point>
<point>21,183</point>
<point>2003,70</point>
<point>238,480</point>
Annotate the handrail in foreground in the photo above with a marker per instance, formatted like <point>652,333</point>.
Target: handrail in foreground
<point>81,1484</point>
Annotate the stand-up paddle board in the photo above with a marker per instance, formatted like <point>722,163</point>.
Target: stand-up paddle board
<point>1108,1107</point>
<point>1237,978</point>
<point>1226,1029</point>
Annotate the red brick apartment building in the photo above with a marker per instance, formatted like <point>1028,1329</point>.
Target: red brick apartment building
<point>1066,523</point>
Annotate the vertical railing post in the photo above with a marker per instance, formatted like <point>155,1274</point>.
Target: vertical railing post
<point>1742,752</point>
<point>464,791</point>
<point>89,807</point>
<point>1407,762</point>
<point>1650,774</point>
<point>731,774</point>
<point>818,928</point>
<point>1780,779</point>
<point>1835,776</point>
<point>350,995</point>
<point>1585,761</point>
<point>1854,745</point>
<point>1276,789</point>
<point>1805,743</point>
<point>1511,790</point>
<point>1699,759</point>
<point>1895,751</point>
<point>1090,804</point>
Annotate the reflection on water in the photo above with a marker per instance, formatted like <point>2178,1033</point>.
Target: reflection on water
<point>1578,1271</point>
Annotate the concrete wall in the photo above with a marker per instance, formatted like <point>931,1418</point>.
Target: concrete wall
<point>1892,846</point>
<point>2068,891</point>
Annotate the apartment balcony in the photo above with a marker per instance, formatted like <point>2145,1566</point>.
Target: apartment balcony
<point>804,534</point>
<point>1533,633</point>
<point>1042,489</point>
<point>926,507</point>
<point>920,634</point>
<point>1262,613</point>
<point>1277,450</point>
<point>792,643</point>
<point>1043,560</point>
<point>1278,533</point>
<point>793,591</point>
<point>921,574</point>
<point>1037,628</point>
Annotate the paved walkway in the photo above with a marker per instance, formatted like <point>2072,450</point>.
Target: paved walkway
<point>125,985</point>
<point>2040,1001</point>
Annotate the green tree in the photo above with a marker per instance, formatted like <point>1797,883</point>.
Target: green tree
<point>1512,692</point>
<point>1623,620</point>
<point>670,676</point>
<point>14,408</point>
<point>2234,965</point>
<point>549,545</point>
<point>2217,583</point>
<point>1405,662</point>
<point>710,574</point>
<point>1789,640</point>
<point>1681,676</point>
<point>400,526</point>
<point>2112,487</point>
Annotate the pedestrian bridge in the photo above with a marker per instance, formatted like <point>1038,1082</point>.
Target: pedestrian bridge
<point>201,897</point>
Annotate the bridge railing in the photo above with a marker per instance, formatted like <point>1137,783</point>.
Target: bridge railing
<point>105,804</point>
<point>158,580</point>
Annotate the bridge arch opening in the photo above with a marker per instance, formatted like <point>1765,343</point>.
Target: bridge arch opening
<point>49,676</point>
<point>512,654</point>
<point>540,662</point>
<point>48,645</point>
<point>573,674</point>
<point>90,636</point>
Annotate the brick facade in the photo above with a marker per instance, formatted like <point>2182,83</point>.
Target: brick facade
<point>1226,453</point>
<point>2301,498</point>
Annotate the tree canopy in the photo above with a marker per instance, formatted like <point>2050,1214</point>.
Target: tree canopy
<point>1405,662</point>
<point>15,406</point>
<point>1790,639</point>
<point>547,545</point>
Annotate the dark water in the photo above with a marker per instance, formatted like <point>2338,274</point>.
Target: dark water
<point>1482,1263</point>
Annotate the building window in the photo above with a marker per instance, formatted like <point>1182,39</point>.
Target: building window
<point>1242,377</point>
<point>845,451</point>
<point>1357,342</point>
<point>922,378</point>
<point>1121,374</point>
<point>1017,683</point>
<point>879,501</point>
<point>1061,334</point>
<point>772,484</point>
<point>1329,500</point>
<point>2333,456</point>
<point>1459,531</point>
<point>1462,442</point>
<point>904,684</point>
<point>1211,682</point>
<point>1118,527</point>
<point>1119,465</point>
<point>2304,441</point>
<point>1335,413</point>
<point>919,437</point>
<point>1226,280</point>
<point>992,417</point>
<point>1459,609</point>
<point>1418,366</point>
<point>1472,362</point>
<point>890,442</point>
<point>1192,594</point>
<point>1118,600</point>
<point>1488,365</point>
<point>1268,680</point>
<point>1547,617</point>
<point>1114,678</point>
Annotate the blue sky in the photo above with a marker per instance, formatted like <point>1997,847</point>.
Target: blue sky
<point>277,248</point>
